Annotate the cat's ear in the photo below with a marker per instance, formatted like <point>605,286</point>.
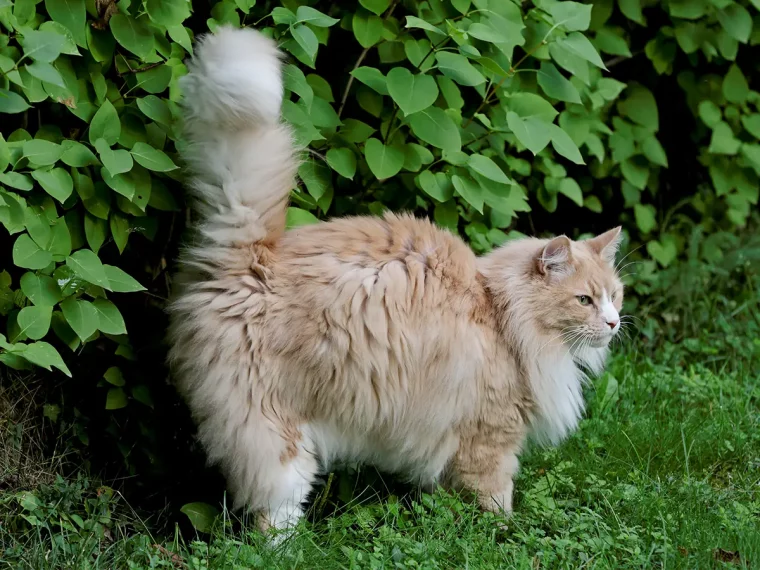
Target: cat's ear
<point>607,244</point>
<point>556,257</point>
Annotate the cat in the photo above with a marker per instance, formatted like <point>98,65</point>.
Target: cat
<point>382,340</point>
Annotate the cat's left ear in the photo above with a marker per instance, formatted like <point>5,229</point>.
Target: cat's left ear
<point>607,244</point>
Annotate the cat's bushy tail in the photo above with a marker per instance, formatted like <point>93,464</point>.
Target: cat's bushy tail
<point>239,156</point>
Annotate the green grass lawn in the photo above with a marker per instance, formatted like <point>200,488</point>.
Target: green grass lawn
<point>663,472</point>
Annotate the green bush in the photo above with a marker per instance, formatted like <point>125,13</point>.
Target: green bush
<point>495,118</point>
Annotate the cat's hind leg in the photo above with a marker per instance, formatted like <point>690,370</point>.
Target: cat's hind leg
<point>273,473</point>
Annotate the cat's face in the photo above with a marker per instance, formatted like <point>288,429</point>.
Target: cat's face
<point>582,291</point>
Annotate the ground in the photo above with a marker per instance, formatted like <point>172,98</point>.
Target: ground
<point>663,472</point>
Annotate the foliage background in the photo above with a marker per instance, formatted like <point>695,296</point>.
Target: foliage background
<point>495,118</point>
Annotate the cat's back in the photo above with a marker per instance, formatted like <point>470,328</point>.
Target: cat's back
<point>407,260</point>
<point>374,282</point>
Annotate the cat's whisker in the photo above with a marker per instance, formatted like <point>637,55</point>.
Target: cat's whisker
<point>634,250</point>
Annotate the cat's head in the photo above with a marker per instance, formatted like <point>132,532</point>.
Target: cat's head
<point>579,293</point>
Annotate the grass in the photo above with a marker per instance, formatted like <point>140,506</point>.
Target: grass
<point>663,472</point>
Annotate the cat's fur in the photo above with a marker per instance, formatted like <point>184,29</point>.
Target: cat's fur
<point>382,340</point>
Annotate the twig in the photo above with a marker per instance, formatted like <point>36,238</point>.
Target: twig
<point>359,61</point>
<point>343,99</point>
<point>138,70</point>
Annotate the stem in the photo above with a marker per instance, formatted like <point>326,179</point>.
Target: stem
<point>359,61</point>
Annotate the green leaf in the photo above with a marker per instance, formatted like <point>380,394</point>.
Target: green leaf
<point>72,15</point>
<point>87,265</point>
<point>95,230</point>
<point>42,152</point>
<point>43,46</point>
<point>579,44</point>
<point>156,109</point>
<point>469,190</point>
<point>301,122</point>
<point>645,217</point>
<point>635,172</point>
<point>120,230</point>
<point>34,322</point>
<point>168,12</point>
<point>654,152</point>
<point>133,35</point>
<point>151,158</point>
<point>631,9</point>
<point>309,15</point>
<point>412,93</point>
<point>384,161</point>
<point>141,393</point>
<point>120,281</point>
<point>306,39</point>
<point>610,88</point>
<point>77,155</point>
<point>569,187</point>
<point>371,77</point>
<point>572,16</point>
<point>110,320</point>
<point>458,68</point>
<point>29,255</point>
<point>664,253</point>
<point>115,161</point>
<point>41,290</point>
<point>342,161</point>
<point>368,28</point>
<point>56,182</point>
<point>81,317</point>
<point>641,107</point>
<point>735,86</point>
<point>46,72</point>
<point>737,21</point>
<point>435,127</point>
<point>710,113</point>
<point>376,6</point>
<point>179,34</point>
<point>564,145</point>
<point>437,186</point>
<point>11,102</point>
<point>156,79</point>
<point>296,82</point>
<point>297,217</point>
<point>488,168</point>
<point>105,125</point>
<point>201,515</point>
<point>533,133</point>
<point>44,355</point>
<point>608,41</point>
<point>114,376</point>
<point>116,398</point>
<point>447,215</point>
<point>355,131</point>
<point>414,22</point>
<point>17,180</point>
<point>527,105</point>
<point>723,140</point>
<point>751,124</point>
<point>555,85</point>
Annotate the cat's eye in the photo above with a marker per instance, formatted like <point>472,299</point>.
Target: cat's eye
<point>584,299</point>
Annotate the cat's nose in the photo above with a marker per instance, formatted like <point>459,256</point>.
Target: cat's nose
<point>612,324</point>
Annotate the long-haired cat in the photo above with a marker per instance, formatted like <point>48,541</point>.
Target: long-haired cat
<point>379,340</point>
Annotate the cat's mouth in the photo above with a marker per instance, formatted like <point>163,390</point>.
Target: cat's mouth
<point>602,340</point>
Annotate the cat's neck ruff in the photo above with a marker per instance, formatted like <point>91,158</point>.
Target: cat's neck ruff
<point>556,375</point>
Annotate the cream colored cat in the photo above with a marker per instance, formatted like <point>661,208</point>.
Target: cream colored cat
<point>380,340</point>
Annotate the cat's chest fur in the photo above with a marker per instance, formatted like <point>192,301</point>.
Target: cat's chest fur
<point>556,379</point>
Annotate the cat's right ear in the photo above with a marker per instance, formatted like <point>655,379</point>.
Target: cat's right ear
<point>556,258</point>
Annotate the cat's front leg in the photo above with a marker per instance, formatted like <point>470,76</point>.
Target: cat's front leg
<point>487,472</point>
<point>495,490</point>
